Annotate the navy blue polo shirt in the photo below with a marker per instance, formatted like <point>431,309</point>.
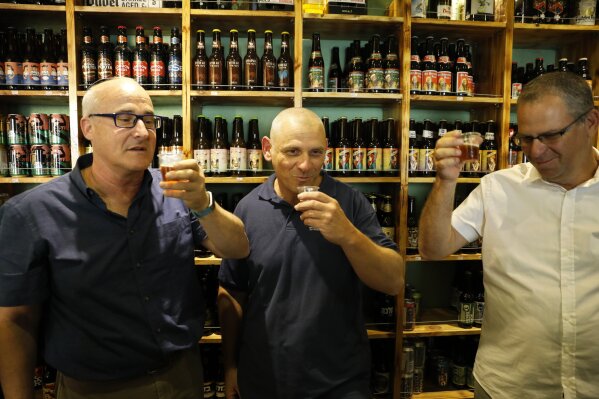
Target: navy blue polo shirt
<point>120,294</point>
<point>303,330</point>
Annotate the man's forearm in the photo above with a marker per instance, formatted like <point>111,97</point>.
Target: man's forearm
<point>230,315</point>
<point>226,234</point>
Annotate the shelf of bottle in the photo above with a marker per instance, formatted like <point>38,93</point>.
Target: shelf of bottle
<point>242,20</point>
<point>152,93</point>
<point>552,36</point>
<point>457,394</point>
<point>469,30</point>
<point>215,338</point>
<point>454,102</point>
<point>342,98</point>
<point>470,180</point>
<point>35,93</point>
<point>128,10</point>
<point>336,26</point>
<point>439,322</point>
<point>25,180</point>
<point>32,7</point>
<point>454,257</point>
<point>243,97</point>
<point>262,179</point>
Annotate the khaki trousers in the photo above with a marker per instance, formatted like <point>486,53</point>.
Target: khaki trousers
<point>182,379</point>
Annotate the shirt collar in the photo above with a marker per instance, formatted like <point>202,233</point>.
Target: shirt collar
<point>531,174</point>
<point>267,190</point>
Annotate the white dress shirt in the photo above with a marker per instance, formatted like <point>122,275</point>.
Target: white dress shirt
<point>540,335</point>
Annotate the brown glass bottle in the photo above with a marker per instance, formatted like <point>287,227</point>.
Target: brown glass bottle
<point>200,62</point>
<point>316,74</point>
<point>461,70</point>
<point>175,61</point>
<point>415,68</point>
<point>488,150</point>
<point>233,61</point>
<point>343,149</point>
<point>105,55</point>
<point>251,63</point>
<point>375,74</point>
<point>215,66</point>
<point>329,152</point>
<point>374,153</point>
<point>48,78</point>
<point>177,138</point>
<point>285,65</point>
<point>429,69</point>
<point>254,149</point>
<point>390,149</point>
<point>358,149</point>
<point>88,59</point>
<point>12,62</point>
<point>426,165</point>
<point>31,64</point>
<point>268,63</point>
<point>122,54</point>
<point>219,153</point>
<point>202,145</point>
<point>391,66</point>
<point>62,62</point>
<point>238,149</point>
<point>334,75</point>
<point>412,247</point>
<point>444,72</point>
<point>157,61</point>
<point>141,58</point>
<point>355,70</point>
<point>413,150</point>
<point>386,218</point>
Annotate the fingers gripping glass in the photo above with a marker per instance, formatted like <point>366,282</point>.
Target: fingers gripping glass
<point>129,120</point>
<point>545,138</point>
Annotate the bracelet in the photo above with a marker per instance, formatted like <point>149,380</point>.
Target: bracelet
<point>208,210</point>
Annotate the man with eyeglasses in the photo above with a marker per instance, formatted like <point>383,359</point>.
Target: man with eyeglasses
<point>540,227</point>
<point>102,259</point>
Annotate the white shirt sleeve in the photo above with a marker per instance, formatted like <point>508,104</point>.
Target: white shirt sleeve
<point>468,218</point>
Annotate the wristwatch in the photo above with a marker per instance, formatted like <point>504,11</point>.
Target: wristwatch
<point>206,211</point>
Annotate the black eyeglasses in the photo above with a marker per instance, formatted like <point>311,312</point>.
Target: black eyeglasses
<point>129,120</point>
<point>545,138</point>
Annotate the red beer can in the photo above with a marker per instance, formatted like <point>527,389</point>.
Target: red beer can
<point>38,129</point>
<point>18,160</point>
<point>60,159</point>
<point>16,129</point>
<point>40,160</point>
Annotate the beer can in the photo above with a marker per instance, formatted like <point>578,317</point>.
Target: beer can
<point>3,160</point>
<point>3,138</point>
<point>418,381</point>
<point>18,160</point>
<point>407,386</point>
<point>40,160</point>
<point>59,129</point>
<point>38,129</point>
<point>407,360</point>
<point>16,129</point>
<point>419,354</point>
<point>60,159</point>
<point>409,314</point>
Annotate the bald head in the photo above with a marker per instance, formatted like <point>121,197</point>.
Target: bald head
<point>103,96</point>
<point>295,120</point>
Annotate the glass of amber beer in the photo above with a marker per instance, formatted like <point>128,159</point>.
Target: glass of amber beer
<point>166,160</point>
<point>470,147</point>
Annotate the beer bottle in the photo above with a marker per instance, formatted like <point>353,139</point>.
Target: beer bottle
<point>105,55</point>
<point>268,63</point>
<point>219,153</point>
<point>466,303</point>
<point>49,382</point>
<point>254,149</point>
<point>444,73</point>
<point>355,71</point>
<point>358,149</point>
<point>415,68</point>
<point>375,71</point>
<point>488,150</point>
<point>166,138</point>
<point>140,57</point>
<point>457,125</point>
<point>426,163</point>
<point>529,74</point>
<point>442,128</point>
<point>342,149</point>
<point>429,69</point>
<point>479,299</point>
<point>418,8</point>
<point>215,68</point>
<point>556,11</point>
<point>461,70</point>
<point>48,78</point>
<point>512,158</point>
<point>62,62</point>
<point>251,63</point>
<point>31,65</point>
<point>458,365</point>
<point>327,166</point>
<point>344,79</point>
<point>202,145</point>
<point>157,61</point>
<point>584,72</point>
<point>285,65</point>
<point>562,65</point>
<point>175,66</point>
<point>334,76</point>
<point>88,59</point>
<point>200,62</point>
<point>12,63</point>
<point>233,61</point>
<point>412,226</point>
<point>537,10</point>
<point>316,66</point>
<point>390,149</point>
<point>473,166</point>
<point>374,155</point>
<point>122,54</point>
<point>413,150</point>
<point>444,9</point>
<point>539,69</point>
<point>177,137</point>
<point>238,150</point>
<point>516,83</point>
<point>387,220</point>
<point>391,66</point>
<point>482,10</point>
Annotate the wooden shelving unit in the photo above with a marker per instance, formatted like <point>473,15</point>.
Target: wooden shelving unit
<point>439,322</point>
<point>214,338</point>
<point>455,257</point>
<point>457,394</point>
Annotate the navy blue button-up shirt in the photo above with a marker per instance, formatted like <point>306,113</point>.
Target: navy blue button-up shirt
<point>120,294</point>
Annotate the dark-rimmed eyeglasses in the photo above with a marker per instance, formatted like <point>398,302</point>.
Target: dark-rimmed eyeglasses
<point>546,138</point>
<point>129,120</point>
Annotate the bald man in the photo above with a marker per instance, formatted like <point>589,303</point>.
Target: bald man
<point>103,258</point>
<point>291,312</point>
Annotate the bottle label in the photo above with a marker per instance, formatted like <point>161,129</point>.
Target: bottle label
<point>62,73</point>
<point>429,58</point>
<point>539,5</point>
<point>202,157</point>
<point>392,79</point>
<point>88,69</point>
<point>251,72</point>
<point>466,313</point>
<point>31,73</point>
<point>359,159</point>
<point>479,311</point>
<point>48,76</point>
<point>462,82</point>
<point>122,68</point>
<point>415,58</point>
<point>458,375</point>
<point>516,90</point>
<point>316,77</point>
<point>389,232</point>
<point>444,81</point>
<point>470,85</point>
<point>390,159</point>
<point>355,81</point>
<point>373,161</point>
<point>376,78</point>
<point>426,161</point>
<point>237,158</point>
<point>413,159</point>
<point>442,132</point>
<point>157,70</point>
<point>104,68</point>
<point>2,75</point>
<point>175,70</point>
<point>269,70</point>
<point>140,69</point>
<point>328,159</point>
<point>429,80</point>
<point>254,160</point>
<point>14,72</point>
<point>556,7</point>
<point>586,12</point>
<point>219,159</point>
<point>488,160</point>
<point>342,159</point>
<point>444,11</point>
<point>416,79</point>
<point>283,73</point>
<point>419,9</point>
<point>333,84</point>
<point>412,237</point>
<point>233,72</point>
<point>215,73</point>
<point>482,7</point>
<point>472,166</point>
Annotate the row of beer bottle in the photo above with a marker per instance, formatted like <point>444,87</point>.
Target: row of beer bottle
<point>441,68</point>
<point>423,139</point>
<point>456,10</point>
<point>375,70</point>
<point>215,72</point>
<point>32,61</point>
<point>154,66</point>
<point>576,12</point>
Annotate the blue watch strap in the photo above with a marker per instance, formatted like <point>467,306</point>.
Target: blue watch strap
<point>208,210</point>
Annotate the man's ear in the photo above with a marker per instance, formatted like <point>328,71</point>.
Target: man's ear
<point>266,148</point>
<point>86,128</point>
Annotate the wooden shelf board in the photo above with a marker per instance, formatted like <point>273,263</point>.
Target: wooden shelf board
<point>552,36</point>
<point>472,180</point>
<point>211,260</point>
<point>211,339</point>
<point>337,26</point>
<point>458,394</point>
<point>281,98</point>
<point>152,93</point>
<point>224,14</point>
<point>35,93</point>
<point>242,20</point>
<point>453,30</point>
<point>350,99</point>
<point>236,180</point>
<point>32,7</point>
<point>369,179</point>
<point>439,322</point>
<point>454,257</point>
<point>25,180</point>
<point>128,10</point>
<point>372,334</point>
<point>454,102</point>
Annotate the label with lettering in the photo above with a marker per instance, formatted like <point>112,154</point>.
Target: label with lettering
<point>488,160</point>
<point>392,79</point>
<point>14,72</point>
<point>373,160</point>
<point>328,159</point>
<point>355,81</point>
<point>416,79</point>
<point>122,67</point>
<point>429,80</point>
<point>390,159</point>
<point>254,160</point>
<point>219,159</point>
<point>376,78</point>
<point>359,159</point>
<point>62,73</point>
<point>202,157</point>
<point>237,158</point>
<point>316,77</point>
<point>104,68</point>
<point>426,161</point>
<point>413,160</point>
<point>444,81</point>
<point>343,159</point>
<point>175,70</point>
<point>462,82</point>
